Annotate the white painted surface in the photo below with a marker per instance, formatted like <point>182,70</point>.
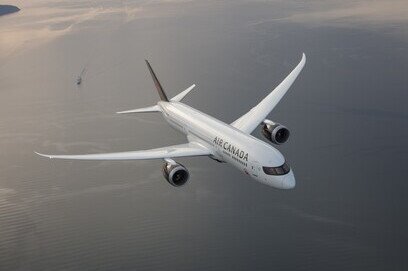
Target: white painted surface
<point>209,136</point>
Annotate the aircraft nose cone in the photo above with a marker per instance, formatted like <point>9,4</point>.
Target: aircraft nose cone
<point>289,182</point>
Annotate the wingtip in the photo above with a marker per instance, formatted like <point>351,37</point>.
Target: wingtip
<point>303,56</point>
<point>43,155</point>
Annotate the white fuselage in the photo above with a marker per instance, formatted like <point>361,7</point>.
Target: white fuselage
<point>207,136</point>
<point>228,144</point>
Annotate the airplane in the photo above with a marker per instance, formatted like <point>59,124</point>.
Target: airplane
<point>220,141</point>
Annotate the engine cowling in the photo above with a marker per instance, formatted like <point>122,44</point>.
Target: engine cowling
<point>275,132</point>
<point>176,174</point>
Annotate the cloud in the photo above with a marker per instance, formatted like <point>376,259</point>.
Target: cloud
<point>38,23</point>
<point>390,16</point>
<point>364,11</point>
<point>42,21</point>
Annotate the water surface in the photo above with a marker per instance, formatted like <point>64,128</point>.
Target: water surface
<point>347,115</point>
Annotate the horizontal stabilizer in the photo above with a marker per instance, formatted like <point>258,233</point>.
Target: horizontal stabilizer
<point>182,94</point>
<point>154,108</point>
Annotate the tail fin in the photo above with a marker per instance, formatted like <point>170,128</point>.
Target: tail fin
<point>159,88</point>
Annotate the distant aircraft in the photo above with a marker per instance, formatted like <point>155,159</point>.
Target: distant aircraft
<point>207,136</point>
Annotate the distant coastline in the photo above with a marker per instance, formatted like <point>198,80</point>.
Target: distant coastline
<point>7,9</point>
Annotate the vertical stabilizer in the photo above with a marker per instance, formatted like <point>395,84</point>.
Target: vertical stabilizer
<point>159,88</point>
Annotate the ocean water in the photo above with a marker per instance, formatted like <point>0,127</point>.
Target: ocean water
<point>346,112</point>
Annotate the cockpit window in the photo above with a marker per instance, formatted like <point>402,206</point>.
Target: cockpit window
<point>282,170</point>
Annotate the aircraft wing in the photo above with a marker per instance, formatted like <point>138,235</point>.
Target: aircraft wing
<point>248,122</point>
<point>182,150</point>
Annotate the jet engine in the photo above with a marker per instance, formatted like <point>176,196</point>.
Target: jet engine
<point>176,174</point>
<point>275,132</point>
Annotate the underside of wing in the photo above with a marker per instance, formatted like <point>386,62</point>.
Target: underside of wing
<point>182,150</point>
<point>248,122</point>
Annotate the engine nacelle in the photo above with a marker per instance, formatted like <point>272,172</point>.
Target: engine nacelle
<point>275,132</point>
<point>176,174</point>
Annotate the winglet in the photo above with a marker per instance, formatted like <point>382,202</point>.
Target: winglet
<point>159,88</point>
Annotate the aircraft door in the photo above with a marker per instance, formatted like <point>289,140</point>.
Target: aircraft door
<point>255,168</point>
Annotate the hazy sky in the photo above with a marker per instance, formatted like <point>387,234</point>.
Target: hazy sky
<point>42,21</point>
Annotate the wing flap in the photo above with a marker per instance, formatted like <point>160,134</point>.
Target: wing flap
<point>248,122</point>
<point>182,150</point>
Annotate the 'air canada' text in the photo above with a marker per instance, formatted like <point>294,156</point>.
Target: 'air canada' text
<point>231,148</point>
